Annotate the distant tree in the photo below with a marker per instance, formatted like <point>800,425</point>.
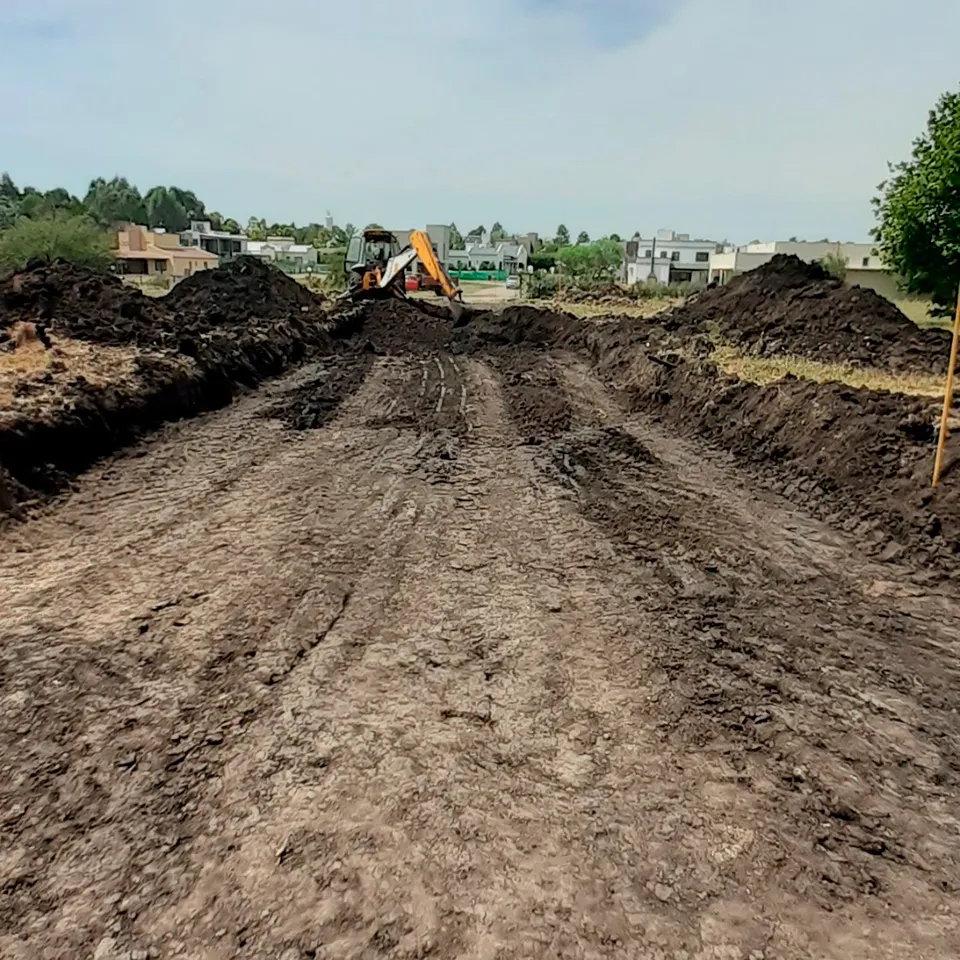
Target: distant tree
<point>591,263</point>
<point>193,207</point>
<point>256,229</point>
<point>456,238</point>
<point>562,238</point>
<point>114,201</point>
<point>542,261</point>
<point>918,210</point>
<point>792,240</point>
<point>8,189</point>
<point>230,226</point>
<point>349,231</point>
<point>583,237</point>
<point>477,231</point>
<point>165,210</point>
<point>338,237</point>
<point>615,237</point>
<point>75,239</point>
<point>497,233</point>
<point>835,265</point>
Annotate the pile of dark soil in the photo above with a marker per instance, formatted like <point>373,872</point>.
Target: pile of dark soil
<point>75,302</point>
<point>233,300</point>
<point>860,459</point>
<point>791,307</point>
<point>217,332</point>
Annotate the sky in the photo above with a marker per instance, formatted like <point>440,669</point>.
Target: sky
<point>726,119</point>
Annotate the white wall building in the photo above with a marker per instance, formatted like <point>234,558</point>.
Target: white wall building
<point>668,257</point>
<point>864,266</point>
<point>284,249</point>
<point>511,257</point>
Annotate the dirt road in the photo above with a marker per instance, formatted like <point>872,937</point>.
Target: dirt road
<point>481,667</point>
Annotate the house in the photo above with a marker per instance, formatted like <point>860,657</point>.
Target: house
<point>864,266</point>
<point>667,257</point>
<point>284,250</point>
<point>509,258</point>
<point>222,244</point>
<point>144,253</point>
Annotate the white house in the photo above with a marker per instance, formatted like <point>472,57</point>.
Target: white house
<point>284,249</point>
<point>667,257</point>
<point>510,257</point>
<point>218,242</point>
<point>864,266</point>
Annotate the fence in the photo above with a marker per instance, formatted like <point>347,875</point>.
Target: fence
<point>479,274</point>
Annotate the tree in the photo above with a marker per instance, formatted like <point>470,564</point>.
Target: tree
<point>918,210</point>
<point>477,231</point>
<point>193,207</point>
<point>73,238</point>
<point>563,236</point>
<point>165,210</point>
<point>591,263</point>
<point>456,238</point>
<point>615,237</point>
<point>256,229</point>
<point>348,231</point>
<point>583,237</point>
<point>230,226</point>
<point>835,265</point>
<point>497,233</point>
<point>114,201</point>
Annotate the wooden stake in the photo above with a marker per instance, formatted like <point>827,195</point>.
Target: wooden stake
<point>947,395</point>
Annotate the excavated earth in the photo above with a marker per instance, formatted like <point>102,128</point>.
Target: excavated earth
<point>524,637</point>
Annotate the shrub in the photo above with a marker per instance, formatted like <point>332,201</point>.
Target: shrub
<point>69,238</point>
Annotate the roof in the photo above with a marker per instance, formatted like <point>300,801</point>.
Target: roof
<point>166,253</point>
<point>299,248</point>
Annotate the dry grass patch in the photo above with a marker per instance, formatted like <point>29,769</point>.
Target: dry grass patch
<point>765,370</point>
<point>642,309</point>
<point>31,376</point>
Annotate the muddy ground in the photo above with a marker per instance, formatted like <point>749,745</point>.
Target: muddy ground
<point>442,647</point>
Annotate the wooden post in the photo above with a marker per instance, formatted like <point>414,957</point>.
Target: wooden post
<point>947,395</point>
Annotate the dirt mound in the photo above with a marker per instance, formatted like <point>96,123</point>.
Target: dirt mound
<point>859,458</point>
<point>791,307</point>
<point>241,290</point>
<point>76,302</point>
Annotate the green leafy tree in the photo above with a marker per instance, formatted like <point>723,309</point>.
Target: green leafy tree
<point>456,238</point>
<point>114,201</point>
<point>918,210</point>
<point>835,265</point>
<point>615,237</point>
<point>256,229</point>
<point>193,207</point>
<point>497,233</point>
<point>230,226</point>
<point>583,237</point>
<point>338,236</point>
<point>165,210</point>
<point>477,231</point>
<point>75,239</point>
<point>348,231</point>
<point>562,238</point>
<point>591,263</point>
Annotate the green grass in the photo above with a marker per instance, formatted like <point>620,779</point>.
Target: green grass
<point>919,312</point>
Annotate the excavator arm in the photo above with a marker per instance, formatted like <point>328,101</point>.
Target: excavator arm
<point>420,242</point>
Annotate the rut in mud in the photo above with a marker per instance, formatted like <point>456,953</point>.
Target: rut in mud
<point>437,648</point>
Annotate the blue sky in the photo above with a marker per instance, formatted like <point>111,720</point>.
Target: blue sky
<point>729,119</point>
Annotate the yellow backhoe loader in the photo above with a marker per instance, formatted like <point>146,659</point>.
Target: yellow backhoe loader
<point>376,267</point>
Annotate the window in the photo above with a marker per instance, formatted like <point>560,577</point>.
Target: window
<point>161,266</point>
<point>703,256</point>
<point>866,261</point>
<point>663,254</point>
<point>648,253</point>
<point>675,255</point>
